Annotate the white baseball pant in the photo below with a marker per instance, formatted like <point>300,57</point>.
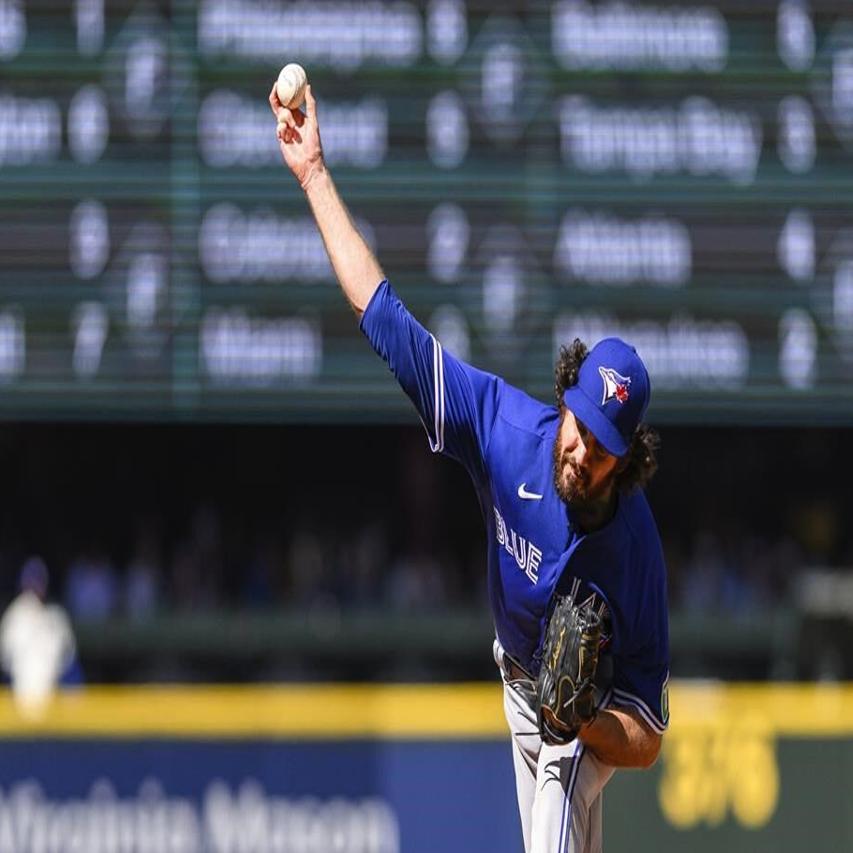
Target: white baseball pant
<point>560,788</point>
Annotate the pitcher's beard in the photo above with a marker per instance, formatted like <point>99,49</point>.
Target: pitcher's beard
<point>574,489</point>
<point>571,485</point>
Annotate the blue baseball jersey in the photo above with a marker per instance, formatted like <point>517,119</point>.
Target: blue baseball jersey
<point>505,439</point>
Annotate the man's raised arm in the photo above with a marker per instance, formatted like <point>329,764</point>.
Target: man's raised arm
<point>357,270</point>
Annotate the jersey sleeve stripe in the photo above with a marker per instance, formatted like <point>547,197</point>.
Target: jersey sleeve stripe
<point>437,444</point>
<point>441,389</point>
<point>622,697</point>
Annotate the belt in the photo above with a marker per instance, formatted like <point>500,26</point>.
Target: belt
<point>513,670</point>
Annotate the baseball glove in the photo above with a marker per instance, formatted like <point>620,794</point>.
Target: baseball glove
<point>565,695</point>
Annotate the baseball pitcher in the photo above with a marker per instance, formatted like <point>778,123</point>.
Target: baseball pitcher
<point>576,575</point>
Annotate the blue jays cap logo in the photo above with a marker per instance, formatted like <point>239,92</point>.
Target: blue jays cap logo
<point>615,385</point>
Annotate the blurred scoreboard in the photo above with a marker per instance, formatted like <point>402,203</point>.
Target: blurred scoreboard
<point>678,174</point>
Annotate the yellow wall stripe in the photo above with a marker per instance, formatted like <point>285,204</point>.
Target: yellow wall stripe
<point>398,711</point>
<point>793,710</point>
<point>325,711</point>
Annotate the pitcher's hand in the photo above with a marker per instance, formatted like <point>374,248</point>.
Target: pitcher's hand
<point>299,137</point>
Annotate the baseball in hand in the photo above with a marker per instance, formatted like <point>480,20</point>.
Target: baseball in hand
<point>291,86</point>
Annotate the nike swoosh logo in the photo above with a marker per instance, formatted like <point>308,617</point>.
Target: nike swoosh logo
<point>527,496</point>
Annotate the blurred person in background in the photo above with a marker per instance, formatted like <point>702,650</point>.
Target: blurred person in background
<point>142,580</point>
<point>92,586</point>
<point>37,646</point>
<point>197,567</point>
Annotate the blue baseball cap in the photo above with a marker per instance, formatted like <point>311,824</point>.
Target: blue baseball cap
<point>611,394</point>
